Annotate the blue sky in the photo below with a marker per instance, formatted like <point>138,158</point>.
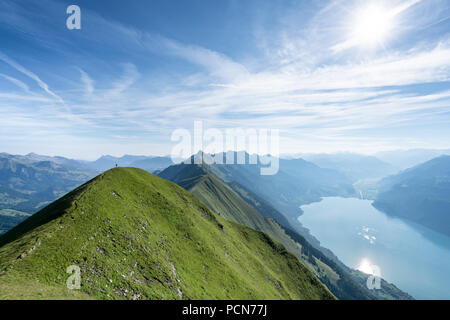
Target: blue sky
<point>138,70</point>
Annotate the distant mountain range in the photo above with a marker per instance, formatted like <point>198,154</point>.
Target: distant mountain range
<point>421,194</point>
<point>354,166</point>
<point>135,236</point>
<point>30,182</point>
<point>404,159</point>
<point>148,163</point>
<point>358,166</point>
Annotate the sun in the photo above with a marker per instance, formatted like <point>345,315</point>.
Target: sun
<point>365,266</point>
<point>372,25</point>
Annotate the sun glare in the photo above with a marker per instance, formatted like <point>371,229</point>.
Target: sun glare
<point>365,266</point>
<point>372,25</point>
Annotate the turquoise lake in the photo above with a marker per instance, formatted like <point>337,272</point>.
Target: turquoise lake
<point>414,258</point>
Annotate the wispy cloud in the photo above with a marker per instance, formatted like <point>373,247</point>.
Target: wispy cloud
<point>214,62</point>
<point>88,82</point>
<point>130,76</point>
<point>17,82</point>
<point>31,75</point>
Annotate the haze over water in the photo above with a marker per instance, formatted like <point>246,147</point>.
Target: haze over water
<point>414,258</point>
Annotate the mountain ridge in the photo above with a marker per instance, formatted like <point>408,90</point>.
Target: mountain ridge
<point>136,236</point>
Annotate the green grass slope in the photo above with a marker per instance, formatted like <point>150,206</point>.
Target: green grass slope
<point>224,201</point>
<point>136,236</point>
<point>29,183</point>
<point>221,199</point>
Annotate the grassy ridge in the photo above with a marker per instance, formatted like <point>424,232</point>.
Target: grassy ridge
<point>136,236</point>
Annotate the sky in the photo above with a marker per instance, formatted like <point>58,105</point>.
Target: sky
<point>355,76</point>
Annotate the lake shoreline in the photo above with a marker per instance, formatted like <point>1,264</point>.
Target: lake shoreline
<point>411,256</point>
